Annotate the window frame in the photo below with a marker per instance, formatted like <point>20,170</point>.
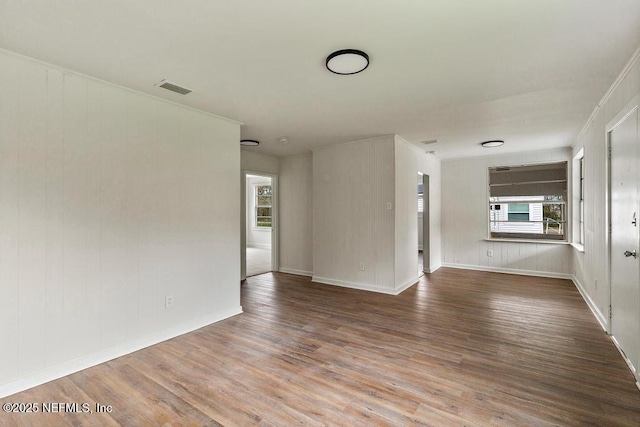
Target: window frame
<point>562,238</point>
<point>578,234</point>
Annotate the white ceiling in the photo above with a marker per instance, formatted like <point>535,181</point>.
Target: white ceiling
<point>462,71</point>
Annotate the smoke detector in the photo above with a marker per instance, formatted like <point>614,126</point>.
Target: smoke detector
<point>283,140</point>
<point>166,84</point>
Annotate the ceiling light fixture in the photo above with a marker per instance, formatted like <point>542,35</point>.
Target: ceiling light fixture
<point>347,61</point>
<point>249,142</point>
<point>492,143</point>
<point>283,140</point>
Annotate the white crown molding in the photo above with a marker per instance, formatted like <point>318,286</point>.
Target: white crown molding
<point>608,93</point>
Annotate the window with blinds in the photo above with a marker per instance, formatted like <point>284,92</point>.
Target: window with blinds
<point>528,202</point>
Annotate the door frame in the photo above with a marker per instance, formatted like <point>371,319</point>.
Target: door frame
<point>629,109</point>
<point>274,221</point>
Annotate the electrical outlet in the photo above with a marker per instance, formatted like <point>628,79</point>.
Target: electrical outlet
<point>362,266</point>
<point>489,253</point>
<point>596,283</point>
<point>389,206</point>
<point>168,301</point>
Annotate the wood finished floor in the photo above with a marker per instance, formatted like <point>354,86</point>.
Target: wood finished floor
<point>459,348</point>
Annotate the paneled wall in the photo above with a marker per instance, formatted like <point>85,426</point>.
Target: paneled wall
<point>590,267</point>
<point>109,201</point>
<point>353,214</point>
<point>296,214</point>
<point>409,160</point>
<point>465,220</point>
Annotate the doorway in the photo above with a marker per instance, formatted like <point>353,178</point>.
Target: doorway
<point>259,223</point>
<point>624,238</point>
<point>423,224</point>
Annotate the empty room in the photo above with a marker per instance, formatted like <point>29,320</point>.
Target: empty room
<point>323,213</point>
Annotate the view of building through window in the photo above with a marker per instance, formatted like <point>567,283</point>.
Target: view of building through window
<point>528,201</point>
<point>536,214</point>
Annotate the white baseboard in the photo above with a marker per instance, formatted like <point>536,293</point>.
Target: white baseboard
<point>550,274</point>
<point>260,246</point>
<point>296,271</point>
<point>592,306</point>
<point>84,362</point>
<point>624,356</point>
<point>406,285</point>
<point>365,286</point>
<point>353,285</point>
<point>433,269</point>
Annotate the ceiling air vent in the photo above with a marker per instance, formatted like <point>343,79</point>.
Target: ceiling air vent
<point>429,141</point>
<point>166,84</point>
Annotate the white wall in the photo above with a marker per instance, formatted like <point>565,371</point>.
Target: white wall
<point>352,185</point>
<point>409,160</point>
<point>465,220</point>
<point>296,214</point>
<point>590,267</point>
<point>256,237</point>
<point>251,160</point>
<point>109,201</point>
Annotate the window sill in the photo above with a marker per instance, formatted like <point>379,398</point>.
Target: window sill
<point>261,228</point>
<point>548,242</point>
<point>578,247</point>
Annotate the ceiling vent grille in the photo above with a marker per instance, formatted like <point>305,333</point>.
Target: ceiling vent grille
<point>429,141</point>
<point>166,84</point>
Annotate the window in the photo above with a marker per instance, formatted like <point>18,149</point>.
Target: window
<point>577,238</point>
<point>420,198</point>
<point>263,206</point>
<point>528,202</point>
<point>581,202</point>
<point>518,212</point>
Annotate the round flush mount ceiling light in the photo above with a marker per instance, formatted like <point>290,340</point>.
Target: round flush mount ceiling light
<point>249,142</point>
<point>492,143</point>
<point>347,61</point>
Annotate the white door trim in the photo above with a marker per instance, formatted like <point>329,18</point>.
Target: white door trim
<point>274,224</point>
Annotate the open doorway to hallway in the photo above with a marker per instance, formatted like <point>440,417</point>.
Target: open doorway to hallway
<point>259,224</point>
<point>423,224</point>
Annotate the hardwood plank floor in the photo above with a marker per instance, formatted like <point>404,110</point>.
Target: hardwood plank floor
<point>460,348</point>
